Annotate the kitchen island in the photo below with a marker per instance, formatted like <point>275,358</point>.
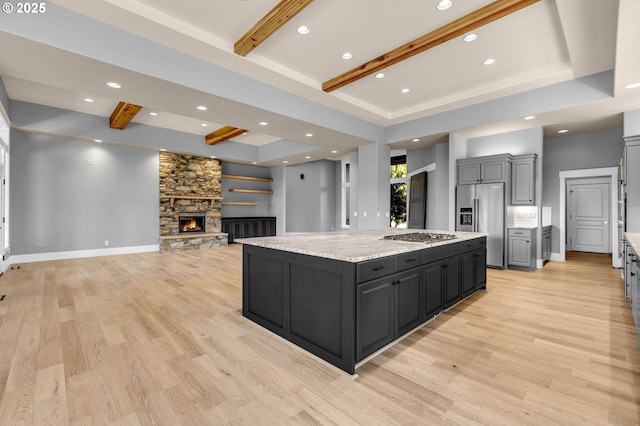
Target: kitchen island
<point>343,296</point>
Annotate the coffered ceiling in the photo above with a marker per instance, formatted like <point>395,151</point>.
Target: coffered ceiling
<point>171,57</point>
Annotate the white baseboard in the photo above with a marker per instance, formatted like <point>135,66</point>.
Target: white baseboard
<point>558,257</point>
<point>554,257</point>
<point>79,254</point>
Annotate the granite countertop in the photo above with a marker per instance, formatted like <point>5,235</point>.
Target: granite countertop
<point>634,239</point>
<point>353,246</point>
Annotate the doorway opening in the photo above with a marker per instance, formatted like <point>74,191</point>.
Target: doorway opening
<point>398,184</point>
<point>611,173</point>
<point>588,215</point>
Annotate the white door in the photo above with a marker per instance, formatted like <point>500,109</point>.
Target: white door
<point>588,215</point>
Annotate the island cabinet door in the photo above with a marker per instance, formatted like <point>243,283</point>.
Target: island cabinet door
<point>480,265</point>
<point>467,276</point>
<point>375,315</point>
<point>433,300</point>
<point>451,270</point>
<point>408,287</point>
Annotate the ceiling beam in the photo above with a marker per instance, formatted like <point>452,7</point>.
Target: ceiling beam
<point>122,115</point>
<point>269,24</point>
<point>223,134</point>
<point>457,28</point>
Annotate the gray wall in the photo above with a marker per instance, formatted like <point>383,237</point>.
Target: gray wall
<point>575,152</point>
<point>263,199</point>
<point>71,195</point>
<point>311,202</point>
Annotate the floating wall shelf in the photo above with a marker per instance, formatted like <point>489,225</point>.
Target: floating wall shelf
<point>251,191</point>
<point>251,178</point>
<point>240,203</point>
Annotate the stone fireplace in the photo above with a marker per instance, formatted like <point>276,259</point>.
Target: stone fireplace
<point>190,203</point>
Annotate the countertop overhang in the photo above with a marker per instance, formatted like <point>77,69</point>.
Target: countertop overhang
<point>354,246</point>
<point>634,239</point>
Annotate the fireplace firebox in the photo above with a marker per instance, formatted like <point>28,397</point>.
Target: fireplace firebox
<point>192,223</point>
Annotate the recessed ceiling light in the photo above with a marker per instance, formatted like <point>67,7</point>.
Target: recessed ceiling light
<point>530,117</point>
<point>163,150</point>
<point>563,131</point>
<point>303,29</point>
<point>309,135</point>
<point>88,100</point>
<point>202,107</point>
<point>380,75</point>
<point>113,85</point>
<point>334,152</point>
<point>153,113</point>
<point>285,162</point>
<point>307,157</point>
<point>470,37</point>
<point>263,123</point>
<point>488,61</point>
<point>415,140</point>
<point>254,162</point>
<point>405,90</point>
<point>444,4</point>
<point>97,140</point>
<point>347,55</point>
<point>632,86</point>
<point>204,124</point>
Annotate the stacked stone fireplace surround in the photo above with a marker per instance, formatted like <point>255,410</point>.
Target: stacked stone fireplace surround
<point>190,185</point>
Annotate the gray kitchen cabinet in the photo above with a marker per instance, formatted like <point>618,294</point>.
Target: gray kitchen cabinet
<point>546,243</point>
<point>632,184</point>
<point>522,248</point>
<point>523,180</point>
<point>489,169</point>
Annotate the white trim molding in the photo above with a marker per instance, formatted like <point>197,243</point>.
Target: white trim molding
<point>79,254</point>
<point>611,172</point>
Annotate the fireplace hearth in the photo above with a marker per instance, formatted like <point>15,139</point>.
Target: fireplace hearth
<point>191,224</point>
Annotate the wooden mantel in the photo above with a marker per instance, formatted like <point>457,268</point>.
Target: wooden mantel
<point>174,197</point>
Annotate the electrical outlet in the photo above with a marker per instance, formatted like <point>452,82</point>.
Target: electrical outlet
<point>106,242</point>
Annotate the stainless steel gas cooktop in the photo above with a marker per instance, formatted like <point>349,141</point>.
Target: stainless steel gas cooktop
<point>421,237</point>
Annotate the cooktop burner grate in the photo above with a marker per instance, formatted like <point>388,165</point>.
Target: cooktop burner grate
<point>421,237</point>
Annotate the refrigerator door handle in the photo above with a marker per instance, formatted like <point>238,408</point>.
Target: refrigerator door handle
<point>476,209</point>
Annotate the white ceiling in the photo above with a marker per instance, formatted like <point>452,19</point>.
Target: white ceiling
<point>547,43</point>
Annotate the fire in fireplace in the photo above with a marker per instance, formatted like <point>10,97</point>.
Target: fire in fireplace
<point>191,223</point>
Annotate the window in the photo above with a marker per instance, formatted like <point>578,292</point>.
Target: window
<point>346,193</point>
<point>398,182</point>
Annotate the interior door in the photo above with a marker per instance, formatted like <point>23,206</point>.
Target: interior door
<point>418,201</point>
<point>588,221</point>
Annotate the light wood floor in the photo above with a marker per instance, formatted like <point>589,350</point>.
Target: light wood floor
<point>158,338</point>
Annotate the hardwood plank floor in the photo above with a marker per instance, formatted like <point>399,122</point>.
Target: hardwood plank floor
<point>158,338</point>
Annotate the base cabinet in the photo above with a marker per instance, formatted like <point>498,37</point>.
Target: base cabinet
<point>344,312</point>
<point>522,248</point>
<point>387,308</point>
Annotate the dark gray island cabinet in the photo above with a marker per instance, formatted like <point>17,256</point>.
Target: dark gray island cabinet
<point>344,311</point>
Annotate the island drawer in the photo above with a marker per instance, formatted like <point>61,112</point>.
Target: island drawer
<point>468,245</point>
<point>451,249</point>
<point>433,254</point>
<point>371,269</point>
<point>408,260</point>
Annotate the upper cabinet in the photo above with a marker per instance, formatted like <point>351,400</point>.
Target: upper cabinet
<point>523,180</point>
<point>490,169</point>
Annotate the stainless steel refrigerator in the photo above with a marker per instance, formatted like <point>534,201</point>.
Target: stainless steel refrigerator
<point>481,208</point>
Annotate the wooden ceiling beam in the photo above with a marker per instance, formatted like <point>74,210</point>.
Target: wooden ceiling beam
<point>223,134</point>
<point>457,28</point>
<point>122,115</point>
<point>269,24</point>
